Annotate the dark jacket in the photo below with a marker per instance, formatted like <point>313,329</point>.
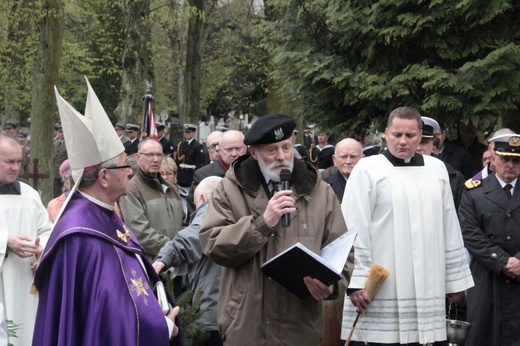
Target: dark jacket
<point>490,223</point>
<point>459,159</point>
<point>131,147</point>
<point>338,182</point>
<point>210,170</point>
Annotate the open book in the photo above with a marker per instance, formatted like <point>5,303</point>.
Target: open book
<point>293,264</point>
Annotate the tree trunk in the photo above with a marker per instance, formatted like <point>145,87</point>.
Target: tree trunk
<point>43,99</point>
<point>136,62</point>
<point>192,76</point>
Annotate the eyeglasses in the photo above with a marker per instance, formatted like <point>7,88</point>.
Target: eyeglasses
<point>213,146</point>
<point>152,155</point>
<point>168,174</point>
<point>119,167</point>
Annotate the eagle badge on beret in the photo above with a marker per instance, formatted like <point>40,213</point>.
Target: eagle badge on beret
<point>278,134</point>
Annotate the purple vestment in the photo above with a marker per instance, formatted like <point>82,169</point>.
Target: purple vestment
<point>93,290</point>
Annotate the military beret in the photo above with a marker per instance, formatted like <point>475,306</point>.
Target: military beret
<point>429,127</point>
<point>22,134</point>
<point>271,128</point>
<point>132,127</point>
<point>119,127</point>
<point>10,125</point>
<point>506,145</point>
<point>190,127</point>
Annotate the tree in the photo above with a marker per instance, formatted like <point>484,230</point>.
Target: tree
<point>345,64</point>
<point>45,76</point>
<point>136,61</point>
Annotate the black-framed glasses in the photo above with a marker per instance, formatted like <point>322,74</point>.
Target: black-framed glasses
<point>213,146</point>
<point>119,167</point>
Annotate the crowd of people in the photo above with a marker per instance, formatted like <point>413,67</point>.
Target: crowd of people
<point>130,213</point>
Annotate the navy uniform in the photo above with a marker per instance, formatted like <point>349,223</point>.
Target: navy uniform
<point>132,144</point>
<point>190,156</point>
<point>322,157</point>
<point>490,222</point>
<point>167,146</point>
<point>120,129</point>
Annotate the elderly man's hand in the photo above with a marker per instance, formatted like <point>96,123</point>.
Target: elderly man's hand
<point>318,289</point>
<point>281,203</point>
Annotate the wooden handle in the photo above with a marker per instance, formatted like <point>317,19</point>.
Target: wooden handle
<point>347,342</point>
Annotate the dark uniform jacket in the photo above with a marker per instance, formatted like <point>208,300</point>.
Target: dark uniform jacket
<point>490,223</point>
<point>322,158</point>
<point>190,157</point>
<point>131,147</point>
<point>167,147</point>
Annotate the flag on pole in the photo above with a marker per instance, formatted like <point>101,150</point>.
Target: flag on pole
<point>149,129</point>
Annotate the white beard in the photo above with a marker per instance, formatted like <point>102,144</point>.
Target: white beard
<point>270,171</point>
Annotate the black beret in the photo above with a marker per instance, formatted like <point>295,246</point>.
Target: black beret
<point>271,128</point>
<point>119,127</point>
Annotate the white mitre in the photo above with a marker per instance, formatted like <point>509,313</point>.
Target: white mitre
<point>90,138</point>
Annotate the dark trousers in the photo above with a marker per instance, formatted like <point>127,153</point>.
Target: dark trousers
<point>214,339</point>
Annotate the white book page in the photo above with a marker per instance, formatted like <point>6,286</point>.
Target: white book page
<point>336,253</point>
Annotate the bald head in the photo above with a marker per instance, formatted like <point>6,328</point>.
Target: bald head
<point>347,154</point>
<point>203,191</point>
<point>10,159</point>
<point>232,146</point>
<point>212,143</point>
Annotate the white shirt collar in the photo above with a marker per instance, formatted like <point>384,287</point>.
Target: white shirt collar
<point>97,201</point>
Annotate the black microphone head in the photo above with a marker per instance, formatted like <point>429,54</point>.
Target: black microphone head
<point>285,175</point>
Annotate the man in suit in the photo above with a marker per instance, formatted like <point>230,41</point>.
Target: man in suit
<point>348,152</point>
<point>132,131</point>
<point>456,156</point>
<point>167,145</point>
<point>190,156</point>
<point>231,146</point>
<point>489,215</point>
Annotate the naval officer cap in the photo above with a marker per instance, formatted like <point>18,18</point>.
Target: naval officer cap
<point>271,128</point>
<point>190,128</point>
<point>506,145</point>
<point>132,127</point>
<point>429,127</point>
<point>10,125</point>
<point>22,134</point>
<point>119,127</point>
<point>160,126</point>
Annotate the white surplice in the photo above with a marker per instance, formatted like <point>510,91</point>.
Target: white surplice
<point>22,214</point>
<point>406,222</point>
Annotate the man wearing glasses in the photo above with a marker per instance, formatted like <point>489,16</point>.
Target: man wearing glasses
<point>489,215</point>
<point>153,207</point>
<point>190,156</point>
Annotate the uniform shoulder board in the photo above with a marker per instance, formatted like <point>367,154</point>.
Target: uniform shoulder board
<point>471,184</point>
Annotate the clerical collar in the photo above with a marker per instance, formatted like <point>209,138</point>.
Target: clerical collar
<point>97,201</point>
<point>10,188</point>
<point>416,160</point>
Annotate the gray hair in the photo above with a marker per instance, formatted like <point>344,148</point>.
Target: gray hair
<point>91,176</point>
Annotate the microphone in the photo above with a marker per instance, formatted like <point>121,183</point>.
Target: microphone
<point>285,178</point>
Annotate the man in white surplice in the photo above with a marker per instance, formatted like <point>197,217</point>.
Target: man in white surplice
<point>24,227</point>
<point>401,205</point>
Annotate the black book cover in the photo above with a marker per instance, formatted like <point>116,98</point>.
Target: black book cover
<point>292,265</point>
